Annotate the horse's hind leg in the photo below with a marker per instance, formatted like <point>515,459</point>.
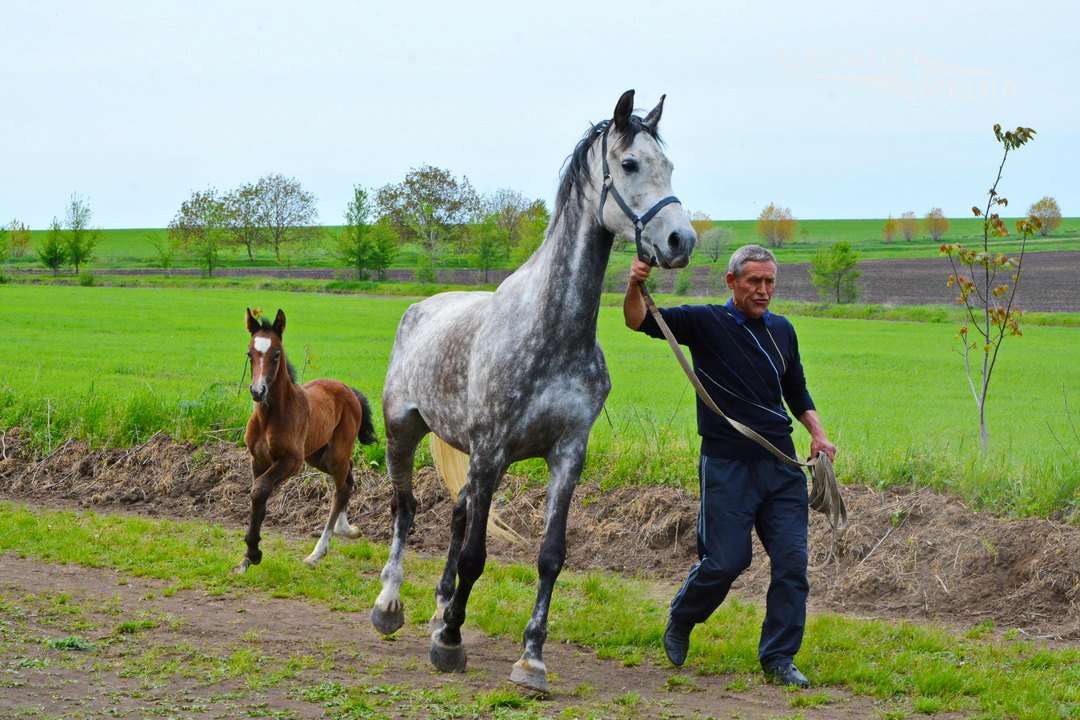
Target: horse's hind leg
<point>403,434</point>
<point>444,591</point>
<point>342,526</point>
<point>343,484</point>
<point>447,652</point>
<point>564,464</point>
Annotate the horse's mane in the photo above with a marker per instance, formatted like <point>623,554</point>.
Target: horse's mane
<point>267,325</point>
<point>575,171</point>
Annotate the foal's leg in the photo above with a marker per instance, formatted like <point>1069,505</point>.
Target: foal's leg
<point>261,488</point>
<point>343,483</point>
<point>564,464</point>
<point>402,436</point>
<point>343,527</point>
<point>447,652</point>
<point>444,591</point>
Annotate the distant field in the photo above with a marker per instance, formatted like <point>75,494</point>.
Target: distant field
<point>134,247</point>
<point>114,365</point>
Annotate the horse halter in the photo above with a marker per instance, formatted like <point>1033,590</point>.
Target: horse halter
<point>639,222</point>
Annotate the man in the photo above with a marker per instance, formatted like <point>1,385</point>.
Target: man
<point>748,360</point>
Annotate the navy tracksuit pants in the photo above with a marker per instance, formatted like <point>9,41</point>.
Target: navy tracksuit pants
<point>736,497</point>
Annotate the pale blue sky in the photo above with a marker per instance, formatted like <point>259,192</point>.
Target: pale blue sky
<point>852,109</point>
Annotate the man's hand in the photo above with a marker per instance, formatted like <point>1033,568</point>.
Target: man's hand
<point>639,271</point>
<point>820,443</point>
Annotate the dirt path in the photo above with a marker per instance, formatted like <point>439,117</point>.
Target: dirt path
<point>908,553</point>
<point>148,651</point>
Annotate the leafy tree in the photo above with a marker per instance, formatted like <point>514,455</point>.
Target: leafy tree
<point>5,243</point>
<point>701,222</point>
<point>429,206</point>
<point>199,226</point>
<point>287,212</point>
<point>985,294</point>
<point>833,272</point>
<point>908,225</point>
<point>511,211</point>
<point>489,243</point>
<point>1049,215</point>
<point>18,239</point>
<point>165,248</point>
<point>384,246</point>
<point>775,225</point>
<point>713,243</point>
<point>936,224</point>
<point>533,229</point>
<point>244,217</point>
<point>355,246</point>
<point>80,239</point>
<point>890,230</point>
<point>53,252</point>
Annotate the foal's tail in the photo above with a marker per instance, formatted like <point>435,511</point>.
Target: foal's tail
<point>366,433</point>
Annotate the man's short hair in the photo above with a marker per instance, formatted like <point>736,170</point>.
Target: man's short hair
<point>749,253</point>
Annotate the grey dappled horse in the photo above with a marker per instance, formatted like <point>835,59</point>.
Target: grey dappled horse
<point>518,373</point>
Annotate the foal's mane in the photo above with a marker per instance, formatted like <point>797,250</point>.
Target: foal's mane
<point>575,173</point>
<point>268,326</point>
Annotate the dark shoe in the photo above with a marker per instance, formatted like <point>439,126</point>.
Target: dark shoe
<point>785,673</point>
<point>677,642</point>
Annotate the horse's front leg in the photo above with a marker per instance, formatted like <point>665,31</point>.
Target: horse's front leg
<point>447,652</point>
<point>564,464</point>
<point>262,486</point>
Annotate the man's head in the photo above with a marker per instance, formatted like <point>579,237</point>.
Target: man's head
<point>751,276</point>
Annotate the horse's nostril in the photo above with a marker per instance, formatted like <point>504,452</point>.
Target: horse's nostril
<point>673,240</point>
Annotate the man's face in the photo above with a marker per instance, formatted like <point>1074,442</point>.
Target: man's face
<point>753,288</point>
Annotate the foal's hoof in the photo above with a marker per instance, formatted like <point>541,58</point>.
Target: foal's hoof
<point>390,620</point>
<point>242,567</point>
<point>352,532</point>
<point>312,560</point>
<point>447,658</point>
<point>531,674</point>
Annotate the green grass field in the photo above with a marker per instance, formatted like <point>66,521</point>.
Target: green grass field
<point>910,667</point>
<point>134,247</point>
<point>115,365</point>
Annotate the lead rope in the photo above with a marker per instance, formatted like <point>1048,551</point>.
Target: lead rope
<point>825,494</point>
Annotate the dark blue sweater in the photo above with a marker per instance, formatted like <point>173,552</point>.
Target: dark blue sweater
<point>748,367</point>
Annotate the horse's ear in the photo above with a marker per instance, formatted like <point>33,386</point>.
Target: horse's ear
<point>623,109</point>
<point>252,323</point>
<point>653,118</point>
<point>279,323</point>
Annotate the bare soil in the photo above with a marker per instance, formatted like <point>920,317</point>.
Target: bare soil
<point>1049,283</point>
<point>179,666</point>
<point>906,554</point>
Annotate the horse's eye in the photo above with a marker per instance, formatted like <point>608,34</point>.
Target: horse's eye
<point>630,165</point>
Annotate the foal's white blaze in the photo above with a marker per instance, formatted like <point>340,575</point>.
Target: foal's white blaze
<point>261,344</point>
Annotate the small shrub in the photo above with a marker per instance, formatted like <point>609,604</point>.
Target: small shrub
<point>682,282</point>
<point>86,278</point>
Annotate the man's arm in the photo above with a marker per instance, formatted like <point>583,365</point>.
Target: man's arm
<point>634,309</point>
<point>819,441</point>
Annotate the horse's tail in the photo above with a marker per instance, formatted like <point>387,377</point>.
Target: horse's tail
<point>366,433</point>
<point>452,465</point>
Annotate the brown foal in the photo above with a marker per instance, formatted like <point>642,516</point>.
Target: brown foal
<point>318,422</point>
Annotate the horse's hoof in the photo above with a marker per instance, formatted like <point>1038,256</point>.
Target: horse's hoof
<point>531,674</point>
<point>352,533</point>
<point>311,561</point>
<point>388,621</point>
<point>447,658</point>
<point>242,567</point>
